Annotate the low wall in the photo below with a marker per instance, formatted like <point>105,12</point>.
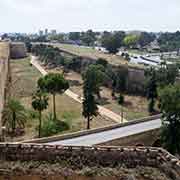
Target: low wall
<point>92,131</point>
<point>78,157</point>
<point>4,69</point>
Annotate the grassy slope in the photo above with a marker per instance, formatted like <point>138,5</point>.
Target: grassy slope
<point>135,106</point>
<point>24,79</point>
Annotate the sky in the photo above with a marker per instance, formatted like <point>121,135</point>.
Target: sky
<point>79,15</point>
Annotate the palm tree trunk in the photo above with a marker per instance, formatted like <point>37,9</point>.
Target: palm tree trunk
<point>54,106</point>
<point>40,124</point>
<point>88,122</point>
<point>14,122</point>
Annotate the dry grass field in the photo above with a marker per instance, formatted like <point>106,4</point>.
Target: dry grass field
<point>24,79</point>
<point>134,107</point>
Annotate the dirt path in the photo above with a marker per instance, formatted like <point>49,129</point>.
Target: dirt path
<point>103,111</point>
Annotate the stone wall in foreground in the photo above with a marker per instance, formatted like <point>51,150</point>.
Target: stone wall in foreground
<point>78,157</point>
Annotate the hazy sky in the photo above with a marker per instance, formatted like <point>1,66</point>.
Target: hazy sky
<point>77,15</point>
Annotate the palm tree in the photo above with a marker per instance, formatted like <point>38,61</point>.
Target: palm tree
<point>14,115</point>
<point>40,103</point>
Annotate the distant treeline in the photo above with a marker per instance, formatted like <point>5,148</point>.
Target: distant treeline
<point>112,41</point>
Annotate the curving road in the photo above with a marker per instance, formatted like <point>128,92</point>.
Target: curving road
<point>101,137</point>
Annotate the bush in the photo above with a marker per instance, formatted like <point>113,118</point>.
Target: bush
<point>33,114</point>
<point>51,127</point>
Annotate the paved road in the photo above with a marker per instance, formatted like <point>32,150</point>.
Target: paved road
<point>103,111</point>
<point>97,138</point>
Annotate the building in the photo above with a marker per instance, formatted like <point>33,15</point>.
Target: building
<point>46,32</point>
<point>40,33</point>
<point>53,32</point>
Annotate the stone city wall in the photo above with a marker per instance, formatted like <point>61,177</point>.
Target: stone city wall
<point>78,157</point>
<point>18,50</point>
<point>4,69</point>
<point>135,75</point>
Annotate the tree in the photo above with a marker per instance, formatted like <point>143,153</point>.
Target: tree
<point>74,36</point>
<point>95,75</point>
<point>88,38</point>
<point>170,108</point>
<point>14,115</point>
<point>146,38</point>
<point>131,40</point>
<point>167,74</point>
<point>151,89</point>
<point>90,108</point>
<point>102,62</point>
<point>169,41</point>
<point>28,46</point>
<point>114,84</point>
<point>53,83</point>
<point>121,102</point>
<point>40,103</point>
<point>112,42</point>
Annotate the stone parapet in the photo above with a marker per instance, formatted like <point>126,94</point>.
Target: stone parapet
<point>131,157</point>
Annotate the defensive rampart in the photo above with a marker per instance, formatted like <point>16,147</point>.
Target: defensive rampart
<point>78,157</point>
<point>18,50</point>
<point>4,68</point>
<point>135,75</point>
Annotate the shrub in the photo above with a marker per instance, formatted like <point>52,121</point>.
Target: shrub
<point>33,114</point>
<point>51,127</point>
